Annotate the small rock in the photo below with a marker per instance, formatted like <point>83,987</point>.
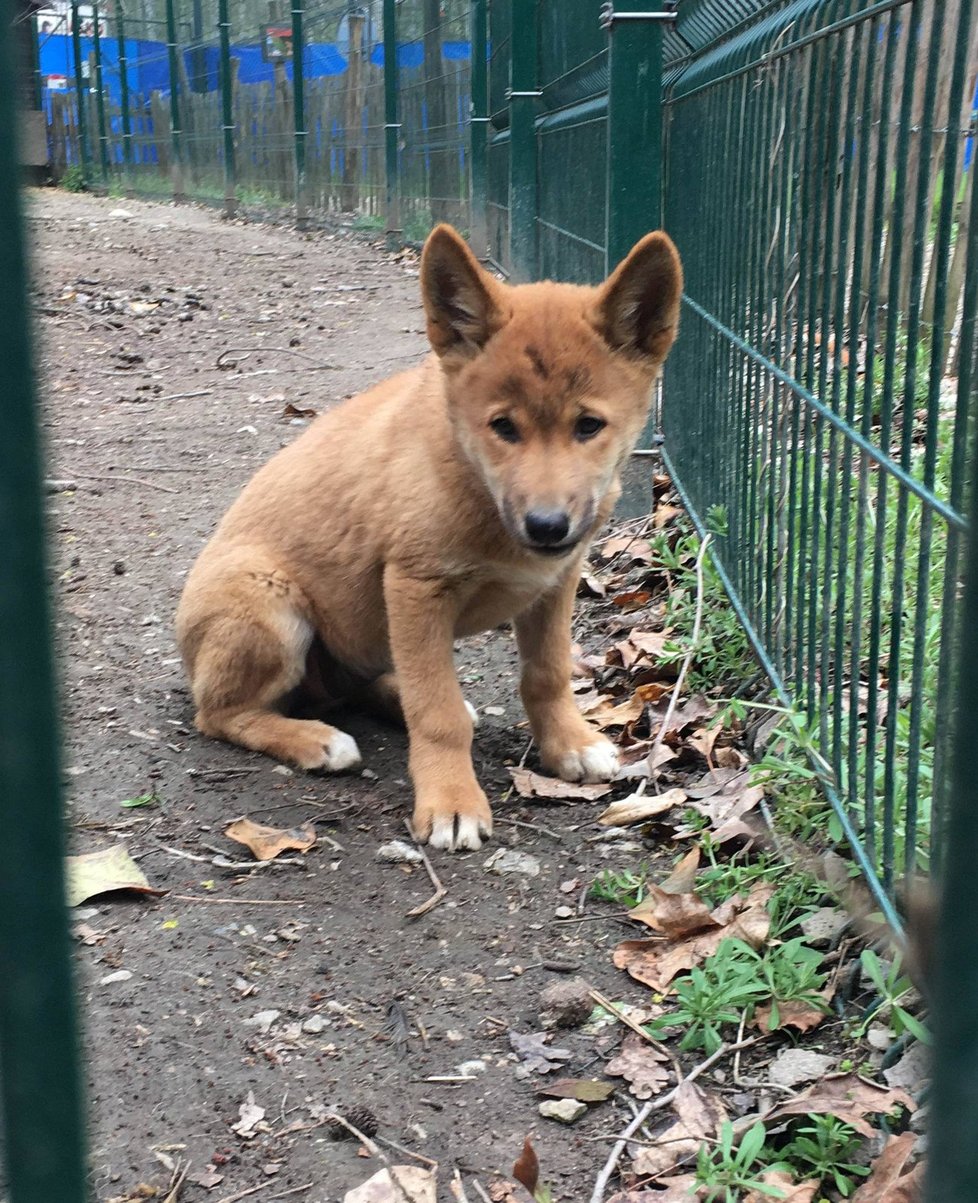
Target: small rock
<point>119,213</point>
<point>469,1069</point>
<point>920,1120</point>
<point>508,860</point>
<point>247,430</point>
<point>369,775</point>
<point>119,568</point>
<point>120,975</point>
<point>564,1111</point>
<point>912,1070</point>
<point>283,770</point>
<point>565,1004</point>
<point>262,1021</point>
<point>495,711</point>
<point>795,1065</point>
<point>315,1024</point>
<point>397,852</point>
<point>822,927</point>
<point>879,1036</point>
<point>564,912</point>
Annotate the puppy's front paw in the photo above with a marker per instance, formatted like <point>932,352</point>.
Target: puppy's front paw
<point>597,761</point>
<point>454,822</point>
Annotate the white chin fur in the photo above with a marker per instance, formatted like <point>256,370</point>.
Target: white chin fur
<point>597,762</point>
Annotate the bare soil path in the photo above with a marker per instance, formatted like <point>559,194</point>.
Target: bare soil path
<point>171,343</point>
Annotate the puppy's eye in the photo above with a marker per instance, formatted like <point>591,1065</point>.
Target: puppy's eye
<point>506,429</point>
<point>587,427</point>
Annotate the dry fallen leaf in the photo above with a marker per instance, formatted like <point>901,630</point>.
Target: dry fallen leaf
<point>526,1169</point>
<point>535,1053</point>
<point>501,1191</point>
<point>700,1117</point>
<point>683,877</point>
<point>250,1116</point>
<point>675,915</point>
<point>847,1096</point>
<point>681,1189</point>
<point>608,713</point>
<point>266,843</point>
<point>94,873</point>
<point>888,1183</point>
<point>726,811</point>
<point>641,1065</point>
<point>534,785</point>
<point>656,962</point>
<point>295,411</point>
<point>630,547</point>
<point>794,1014</point>
<point>636,808</point>
<point>790,1191</point>
<point>411,1184</point>
<point>585,1090</point>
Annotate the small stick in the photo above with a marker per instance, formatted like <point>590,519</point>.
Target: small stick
<point>554,835</point>
<point>223,772</point>
<point>179,1177</point>
<point>637,1028</point>
<point>440,891</point>
<point>597,1195</point>
<point>203,392</point>
<point>241,901</point>
<point>296,1190</point>
<point>252,1190</point>
<point>456,1187</point>
<point>392,1144</point>
<point>131,480</point>
<point>480,1190</point>
<point>374,1151</point>
<point>687,660</point>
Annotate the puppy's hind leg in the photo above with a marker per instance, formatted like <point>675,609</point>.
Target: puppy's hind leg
<point>241,671</point>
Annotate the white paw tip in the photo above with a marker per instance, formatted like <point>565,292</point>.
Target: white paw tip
<point>473,713</point>
<point>597,762</point>
<point>342,753</point>
<point>459,833</point>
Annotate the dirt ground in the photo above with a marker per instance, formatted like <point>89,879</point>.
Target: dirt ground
<point>170,344</point>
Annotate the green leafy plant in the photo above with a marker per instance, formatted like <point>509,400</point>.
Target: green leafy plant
<point>150,799</point>
<point>624,888</point>
<point>823,1148</point>
<point>893,987</point>
<point>727,1170</point>
<point>710,996</point>
<point>787,972</point>
<point>73,179</point>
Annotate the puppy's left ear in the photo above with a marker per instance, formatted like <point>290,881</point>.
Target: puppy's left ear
<point>637,309</point>
<point>463,303</point>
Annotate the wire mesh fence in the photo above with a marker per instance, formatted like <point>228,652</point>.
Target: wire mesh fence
<point>201,102</point>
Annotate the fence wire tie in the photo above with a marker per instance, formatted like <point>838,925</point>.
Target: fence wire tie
<point>511,95</point>
<point>608,16</point>
<point>392,125</point>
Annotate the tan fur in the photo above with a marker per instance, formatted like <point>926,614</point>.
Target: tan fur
<point>396,523</point>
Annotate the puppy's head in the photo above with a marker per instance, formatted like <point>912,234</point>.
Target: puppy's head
<point>549,385</point>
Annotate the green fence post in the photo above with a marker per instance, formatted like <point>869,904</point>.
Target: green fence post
<point>36,60</point>
<point>81,93</point>
<point>478,221</point>
<point>299,115</point>
<point>103,137</point>
<point>634,126</point>
<point>523,146</point>
<point>392,129</point>
<point>227,111</point>
<point>41,1107</point>
<point>176,167</point>
<point>634,183</point>
<point>120,31</point>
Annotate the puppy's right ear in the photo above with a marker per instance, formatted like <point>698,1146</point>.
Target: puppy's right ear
<point>462,303</point>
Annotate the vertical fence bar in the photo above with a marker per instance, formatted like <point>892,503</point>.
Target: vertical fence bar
<point>176,133</point>
<point>634,131</point>
<point>227,110</point>
<point>120,31</point>
<point>479,228</point>
<point>299,115</point>
<point>522,141</point>
<point>81,93</point>
<point>392,130</point>
<point>40,1083</point>
<point>103,137</point>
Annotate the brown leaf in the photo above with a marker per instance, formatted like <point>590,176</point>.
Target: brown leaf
<point>700,1117</point>
<point>800,1015</point>
<point>608,714</point>
<point>103,872</point>
<point>683,877</point>
<point>681,1189</point>
<point>592,585</point>
<point>729,758</point>
<point>266,843</point>
<point>632,600</point>
<point>726,812</point>
<point>649,643</point>
<point>704,739</point>
<point>501,1191</point>
<point>396,1184</point>
<point>664,514</point>
<point>636,808</point>
<point>791,1192</point>
<point>691,711</point>
<point>888,1183</point>
<point>641,1065</point>
<point>585,1090</point>
<point>675,915</point>
<point>846,1096</point>
<point>534,785</point>
<point>294,411</point>
<point>629,547</point>
<point>657,962</point>
<point>526,1171</point>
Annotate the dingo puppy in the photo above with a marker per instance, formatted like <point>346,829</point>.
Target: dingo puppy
<point>446,500</point>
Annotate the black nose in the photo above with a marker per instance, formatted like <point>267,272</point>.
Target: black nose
<point>546,527</point>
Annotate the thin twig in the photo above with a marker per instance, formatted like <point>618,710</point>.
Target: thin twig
<point>201,392</point>
<point>440,891</point>
<point>554,835</point>
<point>374,1151</point>
<point>481,1191</point>
<point>241,901</point>
<point>296,1190</point>
<point>129,480</point>
<point>392,1144</point>
<point>597,1195</point>
<point>637,1028</point>
<point>687,660</point>
<point>456,1187</point>
<point>176,1182</point>
<point>252,1190</point>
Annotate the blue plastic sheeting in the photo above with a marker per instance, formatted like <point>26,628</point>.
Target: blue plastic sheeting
<point>148,70</point>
